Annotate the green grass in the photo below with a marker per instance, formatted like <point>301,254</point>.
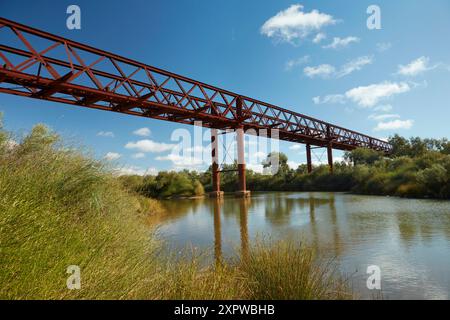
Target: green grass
<point>59,207</point>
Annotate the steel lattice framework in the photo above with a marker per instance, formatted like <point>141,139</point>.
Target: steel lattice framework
<point>41,65</point>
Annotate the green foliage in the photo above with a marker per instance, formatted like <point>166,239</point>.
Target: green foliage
<point>416,147</point>
<point>60,208</point>
<point>167,184</point>
<point>289,271</point>
<point>363,156</point>
<point>426,174</point>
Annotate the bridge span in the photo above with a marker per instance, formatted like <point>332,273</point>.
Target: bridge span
<point>41,65</point>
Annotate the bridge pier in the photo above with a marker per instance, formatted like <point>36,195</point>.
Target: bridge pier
<point>308,158</point>
<point>330,156</point>
<point>242,188</point>
<point>216,193</point>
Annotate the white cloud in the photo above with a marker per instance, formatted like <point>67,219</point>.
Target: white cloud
<point>383,108</point>
<point>295,147</point>
<point>134,170</point>
<point>296,62</point>
<point>394,125</point>
<point>319,37</point>
<point>331,98</point>
<point>182,161</point>
<point>339,43</point>
<point>143,132</point>
<point>107,134</point>
<point>147,145</point>
<point>259,168</point>
<point>415,67</point>
<point>293,165</point>
<point>354,65</point>
<point>369,96</point>
<point>328,71</point>
<point>382,117</point>
<point>383,46</point>
<point>323,70</point>
<point>294,24</point>
<point>366,96</point>
<point>138,155</point>
<point>111,156</point>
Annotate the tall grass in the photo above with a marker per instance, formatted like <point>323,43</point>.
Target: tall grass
<point>58,208</point>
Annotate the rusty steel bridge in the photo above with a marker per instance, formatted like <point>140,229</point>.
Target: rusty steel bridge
<point>41,65</point>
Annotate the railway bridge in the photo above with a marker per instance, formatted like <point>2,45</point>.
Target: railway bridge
<point>41,65</point>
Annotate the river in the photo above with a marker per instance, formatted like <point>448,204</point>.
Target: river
<point>409,240</point>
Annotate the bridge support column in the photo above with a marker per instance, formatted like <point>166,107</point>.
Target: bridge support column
<point>216,193</point>
<point>330,156</point>
<point>242,189</point>
<point>308,158</point>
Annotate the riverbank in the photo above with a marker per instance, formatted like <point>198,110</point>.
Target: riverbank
<point>60,208</point>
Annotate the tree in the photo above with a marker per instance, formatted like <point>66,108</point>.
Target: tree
<point>363,156</point>
<point>280,159</point>
<point>401,146</point>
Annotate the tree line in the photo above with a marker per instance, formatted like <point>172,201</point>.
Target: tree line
<point>418,168</point>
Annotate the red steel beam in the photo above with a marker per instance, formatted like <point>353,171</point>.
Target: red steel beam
<point>73,73</point>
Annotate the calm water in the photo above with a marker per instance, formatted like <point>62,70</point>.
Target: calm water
<point>408,239</point>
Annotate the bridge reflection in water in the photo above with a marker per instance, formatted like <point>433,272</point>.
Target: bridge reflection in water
<point>243,227</point>
<point>408,239</point>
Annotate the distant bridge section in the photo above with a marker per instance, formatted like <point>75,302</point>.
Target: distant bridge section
<point>40,65</point>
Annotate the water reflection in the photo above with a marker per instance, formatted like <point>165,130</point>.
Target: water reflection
<point>243,228</point>
<point>217,231</point>
<point>408,239</point>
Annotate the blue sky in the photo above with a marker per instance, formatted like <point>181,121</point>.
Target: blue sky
<point>315,57</point>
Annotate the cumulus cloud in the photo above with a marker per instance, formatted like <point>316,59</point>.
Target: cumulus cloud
<point>329,71</point>
<point>383,108</point>
<point>147,145</point>
<point>323,71</point>
<point>258,168</point>
<point>182,161</point>
<point>415,67</point>
<point>394,125</point>
<point>138,155</point>
<point>366,96</point>
<point>354,65</point>
<point>296,62</point>
<point>382,117</point>
<point>295,147</point>
<point>319,37</point>
<point>111,156</point>
<point>135,170</point>
<point>383,46</point>
<point>331,98</point>
<point>339,43</point>
<point>369,96</point>
<point>106,134</point>
<point>143,132</point>
<point>294,24</point>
